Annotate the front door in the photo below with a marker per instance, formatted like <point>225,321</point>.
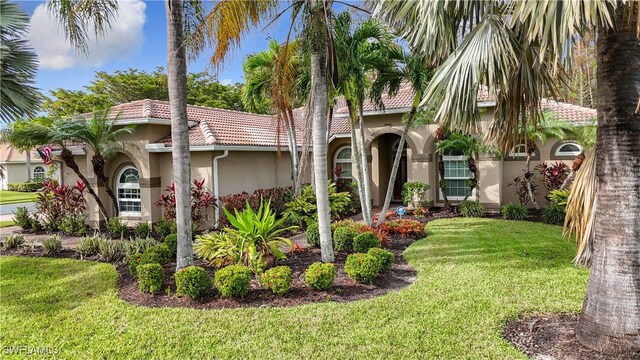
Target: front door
<point>401,178</point>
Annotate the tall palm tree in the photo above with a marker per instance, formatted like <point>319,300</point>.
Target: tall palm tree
<point>28,134</point>
<point>101,136</point>
<point>515,50</point>
<point>272,74</point>
<point>403,69</point>
<point>18,66</point>
<point>222,28</point>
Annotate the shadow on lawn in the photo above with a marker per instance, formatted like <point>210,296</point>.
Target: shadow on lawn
<point>64,287</point>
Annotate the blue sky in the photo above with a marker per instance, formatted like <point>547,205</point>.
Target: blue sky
<point>138,40</point>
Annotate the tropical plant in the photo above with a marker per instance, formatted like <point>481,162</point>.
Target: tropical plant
<point>471,208</point>
<point>553,174</point>
<point>13,241</point>
<point>413,192</point>
<point>305,204</point>
<point>523,189</point>
<point>52,245</point>
<point>469,147</point>
<point>101,135</point>
<point>559,197</point>
<point>405,228</point>
<point>21,217</point>
<point>18,65</point>
<point>255,235</point>
<point>553,214</point>
<point>514,212</point>
<point>272,74</point>
<point>201,202</point>
<point>89,246</point>
<point>62,204</point>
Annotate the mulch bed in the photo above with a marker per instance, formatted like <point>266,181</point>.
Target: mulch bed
<point>344,289</point>
<point>552,337</point>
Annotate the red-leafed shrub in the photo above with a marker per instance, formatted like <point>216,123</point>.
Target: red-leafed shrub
<point>380,233</point>
<point>278,197</point>
<point>201,202</point>
<point>553,174</point>
<point>405,228</point>
<point>59,204</point>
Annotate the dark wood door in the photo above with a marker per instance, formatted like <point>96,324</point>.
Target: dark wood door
<point>401,178</point>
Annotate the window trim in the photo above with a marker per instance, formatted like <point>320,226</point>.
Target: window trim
<point>120,185</point>
<point>337,161</point>
<point>572,153</point>
<point>33,172</point>
<point>457,198</point>
<point>523,154</point>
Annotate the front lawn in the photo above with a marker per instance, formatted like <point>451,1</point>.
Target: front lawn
<point>16,197</point>
<point>6,223</point>
<point>473,275</point>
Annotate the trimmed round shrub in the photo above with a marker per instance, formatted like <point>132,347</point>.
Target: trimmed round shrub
<point>277,280</point>
<point>514,212</point>
<point>233,281</point>
<point>384,257</point>
<point>553,214</point>
<point>171,242</point>
<point>150,278</point>
<point>192,282</point>
<point>343,238</point>
<point>313,235</point>
<point>52,245</point>
<point>470,208</point>
<point>363,268</point>
<point>13,241</point>
<point>365,241</point>
<point>160,252</point>
<point>320,276</point>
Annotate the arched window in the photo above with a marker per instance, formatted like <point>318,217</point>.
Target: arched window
<point>569,149</point>
<point>520,151</point>
<point>456,175</point>
<point>129,191</point>
<point>343,159</point>
<point>38,173</point>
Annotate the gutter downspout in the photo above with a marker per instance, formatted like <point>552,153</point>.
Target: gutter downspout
<point>216,187</point>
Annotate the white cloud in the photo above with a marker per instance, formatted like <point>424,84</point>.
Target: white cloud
<point>227,82</point>
<point>120,42</point>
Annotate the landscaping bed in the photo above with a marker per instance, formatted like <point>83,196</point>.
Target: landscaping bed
<point>553,336</point>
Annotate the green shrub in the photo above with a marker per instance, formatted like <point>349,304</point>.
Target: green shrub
<point>89,246</point>
<point>363,268</point>
<point>365,241</point>
<point>343,239</point>
<point>277,280</point>
<point>313,235</point>
<point>359,227</point>
<point>28,186</point>
<point>162,228</point>
<point>52,245</point>
<point>73,225</point>
<point>233,280</point>
<point>553,214</point>
<point>112,250</point>
<point>150,278</point>
<point>192,282</point>
<point>171,242</point>
<point>470,208</point>
<point>138,246</point>
<point>384,257</point>
<point>13,241</point>
<point>116,228</point>
<point>411,188</point>
<point>35,223</point>
<point>142,229</point>
<point>304,205</point>
<point>21,218</point>
<point>514,212</point>
<point>320,276</point>
<point>159,253</point>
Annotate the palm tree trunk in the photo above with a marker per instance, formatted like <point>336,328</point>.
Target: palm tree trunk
<point>329,123</point>
<point>365,163</point>
<point>181,156</point>
<point>98,163</point>
<point>67,157</point>
<point>577,162</point>
<point>292,143</point>
<point>473,168</point>
<point>355,150</point>
<point>610,320</point>
<point>527,179</point>
<point>441,174</point>
<point>396,166</point>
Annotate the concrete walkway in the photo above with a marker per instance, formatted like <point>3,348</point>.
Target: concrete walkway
<point>69,242</point>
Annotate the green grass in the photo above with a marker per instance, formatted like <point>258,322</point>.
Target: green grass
<point>473,275</point>
<point>6,223</point>
<point>16,197</point>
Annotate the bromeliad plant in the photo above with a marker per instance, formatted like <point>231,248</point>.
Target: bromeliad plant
<point>255,235</point>
<point>201,202</point>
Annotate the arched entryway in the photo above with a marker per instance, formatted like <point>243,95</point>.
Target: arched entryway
<point>383,150</point>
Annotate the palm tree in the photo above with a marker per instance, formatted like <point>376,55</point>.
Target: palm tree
<point>470,148</point>
<point>272,74</point>
<point>586,137</point>
<point>515,50</point>
<point>404,69</point>
<point>43,131</point>
<point>18,66</point>
<point>100,135</point>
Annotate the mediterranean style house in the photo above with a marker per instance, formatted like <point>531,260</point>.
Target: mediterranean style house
<point>20,166</point>
<point>237,151</point>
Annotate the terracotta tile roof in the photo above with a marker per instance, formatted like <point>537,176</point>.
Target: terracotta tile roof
<point>569,112</point>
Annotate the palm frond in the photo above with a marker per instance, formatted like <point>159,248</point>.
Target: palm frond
<point>581,209</point>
